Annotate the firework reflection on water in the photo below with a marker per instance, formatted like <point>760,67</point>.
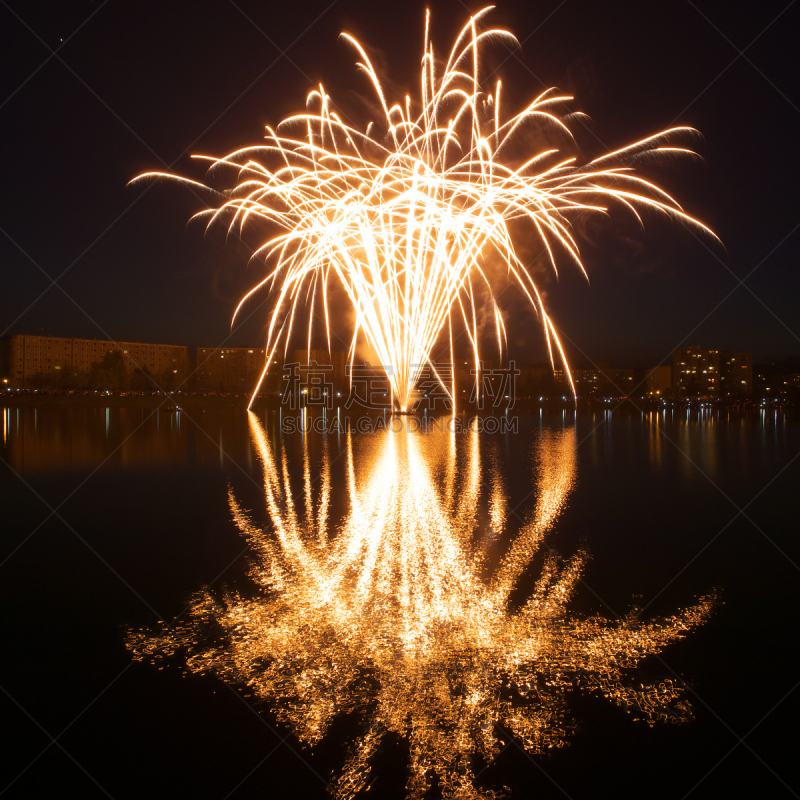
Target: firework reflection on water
<point>399,613</point>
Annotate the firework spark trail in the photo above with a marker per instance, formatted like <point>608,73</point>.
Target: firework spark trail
<point>408,214</point>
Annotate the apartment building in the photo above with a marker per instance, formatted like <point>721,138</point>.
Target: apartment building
<point>658,381</point>
<point>737,373</point>
<point>602,381</point>
<point>333,364</point>
<point>696,372</point>
<point>233,369</point>
<point>48,358</point>
<point>713,374</point>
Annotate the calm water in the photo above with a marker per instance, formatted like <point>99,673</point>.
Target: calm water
<point>414,611</point>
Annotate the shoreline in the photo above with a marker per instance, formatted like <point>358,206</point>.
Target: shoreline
<point>28,399</point>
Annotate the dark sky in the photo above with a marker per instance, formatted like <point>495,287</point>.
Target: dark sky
<point>93,93</point>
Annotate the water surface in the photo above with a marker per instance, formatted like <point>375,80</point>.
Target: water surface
<point>430,599</point>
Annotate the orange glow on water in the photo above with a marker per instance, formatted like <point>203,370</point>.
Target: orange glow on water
<point>389,612</point>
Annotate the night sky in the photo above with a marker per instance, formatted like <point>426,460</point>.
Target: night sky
<point>94,93</point>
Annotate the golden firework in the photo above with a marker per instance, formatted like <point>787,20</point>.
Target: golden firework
<point>408,213</point>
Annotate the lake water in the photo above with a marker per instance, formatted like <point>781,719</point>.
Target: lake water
<point>212,603</point>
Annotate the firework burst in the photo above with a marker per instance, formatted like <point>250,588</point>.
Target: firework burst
<point>407,214</point>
